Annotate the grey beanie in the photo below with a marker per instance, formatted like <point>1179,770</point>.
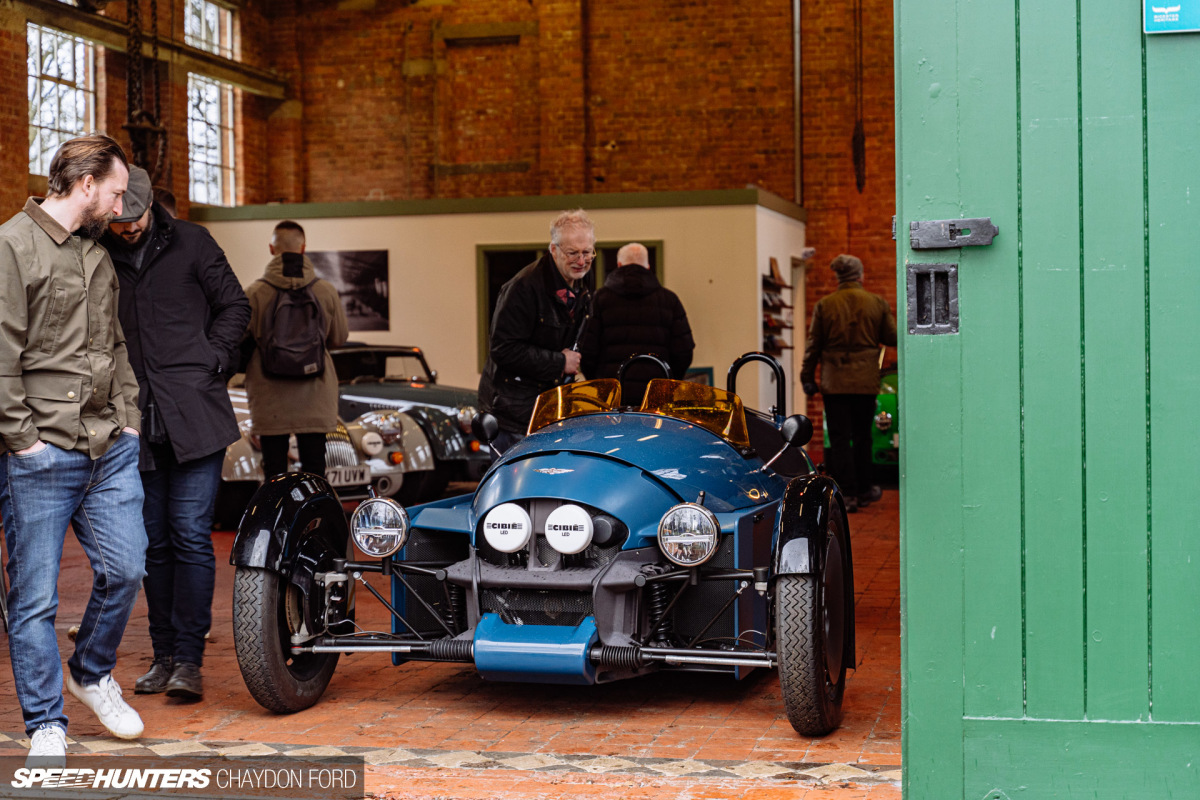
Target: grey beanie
<point>847,268</point>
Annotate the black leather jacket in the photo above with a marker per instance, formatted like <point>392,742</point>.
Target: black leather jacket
<point>530,329</point>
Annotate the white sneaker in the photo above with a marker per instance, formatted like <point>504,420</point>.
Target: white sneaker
<point>104,699</point>
<point>47,748</point>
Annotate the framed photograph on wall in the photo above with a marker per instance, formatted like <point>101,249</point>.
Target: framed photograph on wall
<point>361,278</point>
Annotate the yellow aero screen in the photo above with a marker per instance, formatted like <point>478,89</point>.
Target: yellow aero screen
<point>713,409</point>
<point>575,399</point>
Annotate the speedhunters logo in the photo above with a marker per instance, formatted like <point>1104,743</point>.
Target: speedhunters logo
<point>63,777</point>
<point>342,778</point>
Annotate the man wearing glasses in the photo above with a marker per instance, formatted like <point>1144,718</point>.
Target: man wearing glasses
<point>535,329</point>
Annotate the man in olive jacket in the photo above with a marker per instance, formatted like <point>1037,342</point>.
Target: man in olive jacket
<point>847,330</point>
<point>183,312</point>
<point>69,424</point>
<point>536,326</point>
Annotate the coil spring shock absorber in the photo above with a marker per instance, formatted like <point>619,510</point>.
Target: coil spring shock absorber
<point>452,611</point>
<point>658,597</point>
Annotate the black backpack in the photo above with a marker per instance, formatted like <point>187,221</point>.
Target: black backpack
<point>293,342</point>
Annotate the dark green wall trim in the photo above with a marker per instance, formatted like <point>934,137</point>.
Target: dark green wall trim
<point>499,205</point>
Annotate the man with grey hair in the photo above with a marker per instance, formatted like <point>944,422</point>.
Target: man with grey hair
<point>635,314</point>
<point>847,330</point>
<point>535,329</point>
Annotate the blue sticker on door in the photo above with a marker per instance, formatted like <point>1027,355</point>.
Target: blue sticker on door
<point>1171,16</point>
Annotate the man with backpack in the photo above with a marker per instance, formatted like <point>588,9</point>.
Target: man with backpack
<point>183,312</point>
<point>290,379</point>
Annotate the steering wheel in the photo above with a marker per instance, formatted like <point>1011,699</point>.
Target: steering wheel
<point>663,365</point>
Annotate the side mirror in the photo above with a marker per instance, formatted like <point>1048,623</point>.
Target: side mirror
<point>796,430</point>
<point>486,428</point>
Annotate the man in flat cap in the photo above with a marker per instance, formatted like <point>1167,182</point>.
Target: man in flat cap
<point>183,312</point>
<point>848,328</point>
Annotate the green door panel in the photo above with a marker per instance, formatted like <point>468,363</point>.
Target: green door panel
<point>930,417</point>
<point>1173,153</point>
<point>1052,382</point>
<point>1050,564</point>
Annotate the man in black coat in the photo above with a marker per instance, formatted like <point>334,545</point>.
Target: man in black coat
<point>535,328</point>
<point>183,312</point>
<point>632,314</point>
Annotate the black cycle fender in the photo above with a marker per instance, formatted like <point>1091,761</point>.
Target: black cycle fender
<point>802,526</point>
<point>287,516</point>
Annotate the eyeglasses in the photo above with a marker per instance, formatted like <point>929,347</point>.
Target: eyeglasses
<point>575,255</point>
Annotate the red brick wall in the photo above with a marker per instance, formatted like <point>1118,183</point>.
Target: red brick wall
<point>613,96</point>
<point>14,114</point>
<point>840,218</point>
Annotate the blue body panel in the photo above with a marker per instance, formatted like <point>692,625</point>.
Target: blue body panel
<point>535,653</point>
<point>684,458</point>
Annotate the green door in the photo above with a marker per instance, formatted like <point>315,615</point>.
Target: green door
<point>1050,520</point>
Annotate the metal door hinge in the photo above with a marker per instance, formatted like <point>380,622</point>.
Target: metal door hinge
<point>940,233</point>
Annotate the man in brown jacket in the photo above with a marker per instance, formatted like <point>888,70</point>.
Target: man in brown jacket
<point>69,423</point>
<point>280,406</point>
<point>848,328</point>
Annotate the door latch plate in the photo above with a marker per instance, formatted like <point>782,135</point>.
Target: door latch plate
<point>932,234</point>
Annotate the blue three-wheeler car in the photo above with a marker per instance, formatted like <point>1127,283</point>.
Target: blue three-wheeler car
<point>679,532</point>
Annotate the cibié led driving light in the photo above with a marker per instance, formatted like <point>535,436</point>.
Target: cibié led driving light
<point>688,534</point>
<point>569,529</point>
<point>507,527</point>
<point>379,527</point>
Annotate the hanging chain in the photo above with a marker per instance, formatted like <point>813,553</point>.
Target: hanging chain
<point>144,126</point>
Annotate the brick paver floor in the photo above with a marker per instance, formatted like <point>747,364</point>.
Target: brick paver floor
<point>438,730</point>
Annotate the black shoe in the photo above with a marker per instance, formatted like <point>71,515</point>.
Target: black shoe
<point>870,496</point>
<point>185,682</point>
<point>154,681</point>
<point>851,504</point>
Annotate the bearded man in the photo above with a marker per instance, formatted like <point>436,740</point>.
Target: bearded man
<point>69,428</point>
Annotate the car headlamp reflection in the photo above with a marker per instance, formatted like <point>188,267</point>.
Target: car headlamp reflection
<point>688,534</point>
<point>379,527</point>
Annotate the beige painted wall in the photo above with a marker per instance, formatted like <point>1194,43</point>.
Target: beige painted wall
<point>712,259</point>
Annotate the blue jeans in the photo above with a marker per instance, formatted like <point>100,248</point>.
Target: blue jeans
<point>39,495</point>
<point>180,566</point>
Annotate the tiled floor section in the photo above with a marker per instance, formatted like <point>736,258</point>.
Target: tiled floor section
<point>465,735</point>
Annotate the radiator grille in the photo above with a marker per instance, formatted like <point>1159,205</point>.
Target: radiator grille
<point>339,450</point>
<point>436,547</point>
<point>537,606</point>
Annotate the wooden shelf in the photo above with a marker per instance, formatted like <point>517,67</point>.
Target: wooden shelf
<point>770,283</point>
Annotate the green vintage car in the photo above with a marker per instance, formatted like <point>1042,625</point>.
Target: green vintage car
<point>885,436</point>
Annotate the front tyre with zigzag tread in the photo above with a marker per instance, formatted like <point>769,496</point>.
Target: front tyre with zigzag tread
<point>278,680</point>
<point>812,704</point>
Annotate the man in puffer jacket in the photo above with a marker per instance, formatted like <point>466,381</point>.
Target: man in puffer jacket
<point>634,314</point>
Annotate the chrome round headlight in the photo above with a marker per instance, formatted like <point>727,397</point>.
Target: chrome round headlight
<point>569,529</point>
<point>371,443</point>
<point>507,527</point>
<point>465,415</point>
<point>688,534</point>
<point>379,527</point>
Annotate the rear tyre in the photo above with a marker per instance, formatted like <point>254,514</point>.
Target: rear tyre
<point>263,604</point>
<point>811,631</point>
